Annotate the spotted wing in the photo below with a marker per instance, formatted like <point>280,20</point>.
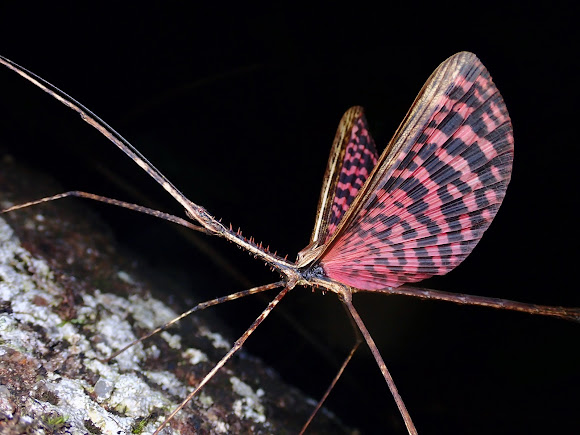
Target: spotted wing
<point>352,158</point>
<point>434,190</point>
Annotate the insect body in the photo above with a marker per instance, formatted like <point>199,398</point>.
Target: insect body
<point>415,211</point>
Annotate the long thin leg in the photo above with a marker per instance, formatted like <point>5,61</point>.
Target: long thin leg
<point>359,340</point>
<point>565,313</point>
<point>382,366</point>
<point>237,345</point>
<point>198,307</point>
<point>116,202</point>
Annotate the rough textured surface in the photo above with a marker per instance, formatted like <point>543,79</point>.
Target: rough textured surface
<point>68,298</point>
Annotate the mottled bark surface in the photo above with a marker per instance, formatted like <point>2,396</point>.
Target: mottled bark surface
<point>69,296</point>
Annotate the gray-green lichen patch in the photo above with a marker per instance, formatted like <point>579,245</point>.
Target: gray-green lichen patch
<point>194,356</point>
<point>35,343</point>
<point>250,405</point>
<point>31,332</point>
<point>217,340</point>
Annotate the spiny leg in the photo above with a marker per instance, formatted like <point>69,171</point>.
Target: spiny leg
<point>193,210</point>
<point>237,346</point>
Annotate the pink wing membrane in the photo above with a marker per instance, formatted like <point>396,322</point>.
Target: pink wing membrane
<point>443,191</point>
<point>360,158</point>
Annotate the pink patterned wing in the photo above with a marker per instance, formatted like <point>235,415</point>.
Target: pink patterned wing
<point>435,189</point>
<point>360,158</point>
<point>352,158</point>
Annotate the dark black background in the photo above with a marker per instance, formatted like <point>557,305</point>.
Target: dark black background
<point>238,107</point>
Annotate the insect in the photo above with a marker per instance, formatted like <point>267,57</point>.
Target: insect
<point>415,211</point>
